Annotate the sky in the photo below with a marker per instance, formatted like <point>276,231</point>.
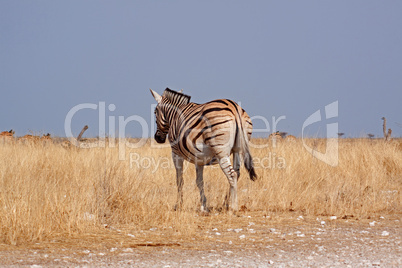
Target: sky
<point>280,59</point>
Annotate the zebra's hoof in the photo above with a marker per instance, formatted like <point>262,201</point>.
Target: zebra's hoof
<point>177,207</point>
<point>204,211</point>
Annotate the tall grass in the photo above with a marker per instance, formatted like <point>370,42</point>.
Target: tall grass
<point>47,190</point>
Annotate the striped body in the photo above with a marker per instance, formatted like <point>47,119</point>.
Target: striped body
<point>202,129</point>
<point>205,134</point>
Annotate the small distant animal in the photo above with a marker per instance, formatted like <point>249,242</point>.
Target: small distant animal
<point>29,139</point>
<point>7,136</point>
<point>277,136</point>
<point>7,133</point>
<point>46,137</point>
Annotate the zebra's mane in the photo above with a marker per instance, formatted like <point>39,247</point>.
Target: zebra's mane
<point>176,98</point>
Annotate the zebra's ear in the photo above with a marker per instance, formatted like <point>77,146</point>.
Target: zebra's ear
<point>157,97</point>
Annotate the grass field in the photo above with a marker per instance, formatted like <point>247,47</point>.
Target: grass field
<point>48,191</point>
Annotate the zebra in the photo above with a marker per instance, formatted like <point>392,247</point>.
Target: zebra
<point>204,134</point>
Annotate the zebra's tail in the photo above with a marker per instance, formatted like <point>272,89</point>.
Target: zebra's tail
<point>247,158</point>
<point>248,163</point>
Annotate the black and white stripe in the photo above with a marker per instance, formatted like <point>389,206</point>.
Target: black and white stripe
<point>204,134</point>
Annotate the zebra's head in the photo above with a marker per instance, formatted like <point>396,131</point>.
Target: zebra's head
<point>168,109</point>
<point>161,122</point>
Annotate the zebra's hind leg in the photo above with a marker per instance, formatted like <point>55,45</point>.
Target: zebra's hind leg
<point>231,175</point>
<point>200,185</point>
<point>178,163</point>
<point>236,167</point>
<point>237,163</point>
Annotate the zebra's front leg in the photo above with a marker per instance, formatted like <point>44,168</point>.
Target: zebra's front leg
<point>178,164</point>
<point>231,175</point>
<point>200,184</point>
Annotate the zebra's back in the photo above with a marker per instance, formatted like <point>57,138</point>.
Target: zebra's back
<point>207,130</point>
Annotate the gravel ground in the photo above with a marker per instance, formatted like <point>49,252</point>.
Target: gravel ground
<point>250,242</point>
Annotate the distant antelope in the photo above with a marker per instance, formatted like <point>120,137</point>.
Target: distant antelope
<point>7,136</point>
<point>276,137</point>
<point>278,134</point>
<point>29,139</point>
<point>46,138</point>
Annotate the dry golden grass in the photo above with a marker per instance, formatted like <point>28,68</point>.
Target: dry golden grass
<point>49,191</point>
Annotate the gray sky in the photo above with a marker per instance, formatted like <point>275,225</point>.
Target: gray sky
<point>278,58</point>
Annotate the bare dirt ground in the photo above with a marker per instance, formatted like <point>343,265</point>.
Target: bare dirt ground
<point>246,240</point>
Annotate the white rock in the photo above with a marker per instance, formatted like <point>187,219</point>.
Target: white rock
<point>215,229</point>
<point>300,218</point>
<point>333,218</point>
<point>372,223</point>
<point>238,230</point>
<point>322,222</point>
<point>88,216</point>
<point>242,236</point>
<point>385,233</point>
<point>218,233</point>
